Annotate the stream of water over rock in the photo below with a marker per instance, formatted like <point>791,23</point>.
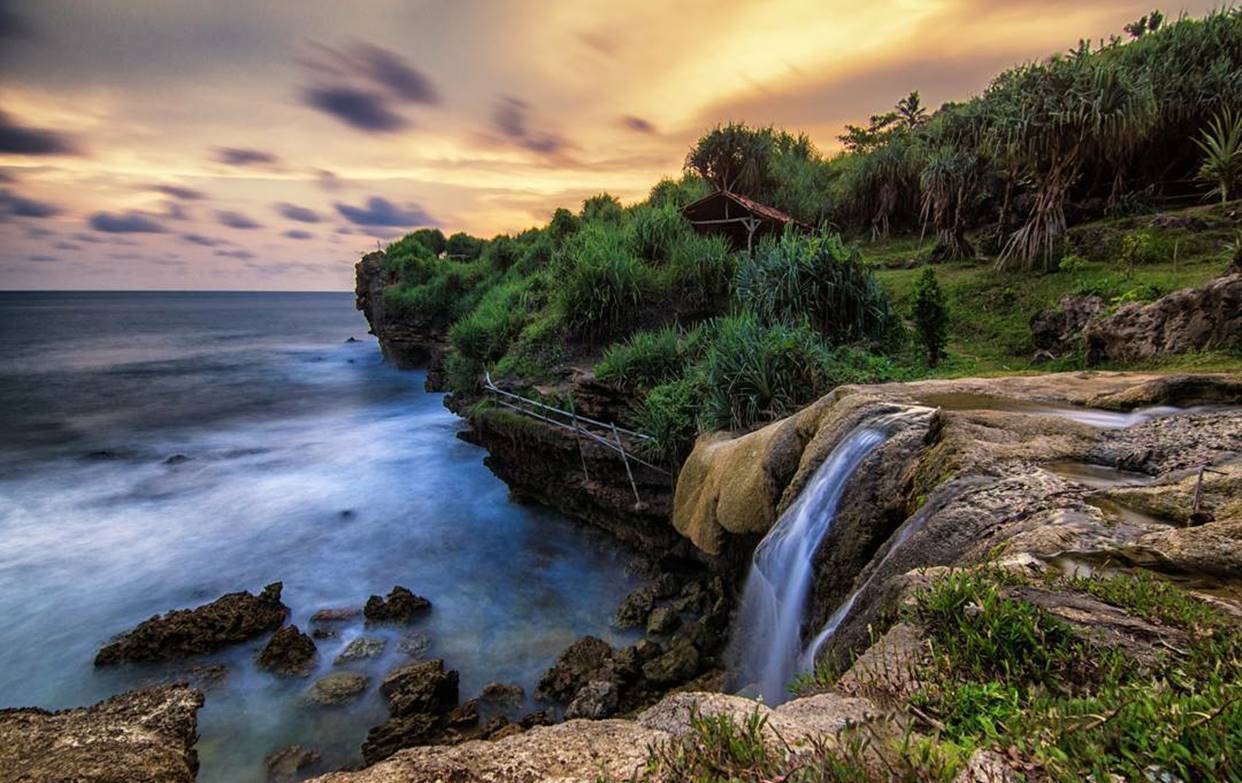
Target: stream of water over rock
<point>160,449</point>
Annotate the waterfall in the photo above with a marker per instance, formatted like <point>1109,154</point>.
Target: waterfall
<point>766,649</point>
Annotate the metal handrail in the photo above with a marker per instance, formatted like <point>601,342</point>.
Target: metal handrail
<point>492,387</point>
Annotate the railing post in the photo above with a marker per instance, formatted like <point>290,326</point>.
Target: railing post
<point>578,439</point>
<point>638,501</point>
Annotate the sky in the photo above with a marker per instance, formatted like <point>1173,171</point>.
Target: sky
<point>265,144</point>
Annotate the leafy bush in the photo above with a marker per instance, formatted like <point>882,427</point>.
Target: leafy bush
<point>678,192</point>
<point>599,282</point>
<point>654,231</point>
<point>563,224</point>
<point>931,317</point>
<point>815,277</point>
<point>463,247</point>
<point>644,360</point>
<point>669,414</point>
<point>701,270</point>
<point>484,335</point>
<point>603,208</point>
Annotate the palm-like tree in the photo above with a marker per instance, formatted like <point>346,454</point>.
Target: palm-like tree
<point>1221,143</point>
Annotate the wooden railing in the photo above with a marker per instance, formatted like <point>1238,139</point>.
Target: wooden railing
<point>606,434</point>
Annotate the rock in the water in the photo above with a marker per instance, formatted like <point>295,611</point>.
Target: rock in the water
<point>392,735</point>
<point>338,688</point>
<point>464,715</point>
<point>401,606</point>
<point>662,620</point>
<point>673,667</point>
<point>229,619</point>
<point>177,459</point>
<point>141,736</point>
<point>361,648</point>
<point>587,659</point>
<point>334,615</point>
<point>634,608</point>
<point>414,644</point>
<point>502,695</point>
<point>324,633</point>
<point>289,651</point>
<point>424,686</point>
<point>595,700</point>
<point>284,765</point>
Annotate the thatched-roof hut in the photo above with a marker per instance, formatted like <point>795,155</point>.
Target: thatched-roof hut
<point>741,219</point>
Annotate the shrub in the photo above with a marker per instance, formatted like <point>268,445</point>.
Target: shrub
<point>599,282</point>
<point>484,335</point>
<point>678,192</point>
<point>502,252</point>
<point>654,231</point>
<point>603,208</point>
<point>815,277</point>
<point>701,270</point>
<point>669,414</point>
<point>644,360</point>
<point>564,224</point>
<point>463,247</point>
<point>931,317</point>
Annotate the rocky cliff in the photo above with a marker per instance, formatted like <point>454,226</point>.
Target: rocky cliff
<point>407,341</point>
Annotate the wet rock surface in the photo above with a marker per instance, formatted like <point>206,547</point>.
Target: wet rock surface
<point>399,606</point>
<point>361,649</point>
<point>422,698</point>
<point>286,764</point>
<point>232,618</point>
<point>144,736</point>
<point>338,688</point>
<point>289,652</point>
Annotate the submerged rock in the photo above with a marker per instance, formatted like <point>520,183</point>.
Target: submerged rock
<point>360,649</point>
<point>289,651</point>
<point>284,765</point>
<point>401,606</point>
<point>335,614</point>
<point>503,695</point>
<point>338,688</point>
<point>144,735</point>
<point>414,644</point>
<point>229,619</point>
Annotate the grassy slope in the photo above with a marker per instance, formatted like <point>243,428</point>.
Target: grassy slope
<point>990,311</point>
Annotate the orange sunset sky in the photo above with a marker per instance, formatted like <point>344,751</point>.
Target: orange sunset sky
<point>264,145</point>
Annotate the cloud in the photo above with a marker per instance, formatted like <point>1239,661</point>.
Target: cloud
<point>328,180</point>
<point>41,259</point>
<point>364,85</point>
<point>298,233</point>
<point>241,255</point>
<point>81,237</point>
<point>125,223</point>
<point>361,109</point>
<point>236,220</point>
<point>62,245</point>
<point>178,192</point>
<point>13,205</point>
<point>511,117</point>
<point>175,211</point>
<point>18,139</point>
<point>199,239</point>
<point>12,25</point>
<point>300,214</point>
<point>637,124</point>
<point>241,156</point>
<point>382,212</point>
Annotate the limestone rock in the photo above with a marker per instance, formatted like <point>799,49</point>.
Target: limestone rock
<point>502,694</point>
<point>421,687</point>
<point>335,614</point>
<point>232,618</point>
<point>414,644</point>
<point>144,736</point>
<point>1058,330</point>
<point>361,648</point>
<point>661,620</point>
<point>586,659</point>
<point>338,688</point>
<point>284,765</point>
<point>401,606</point>
<point>398,732</point>
<point>290,652</point>
<point>677,665</point>
<point>595,700</point>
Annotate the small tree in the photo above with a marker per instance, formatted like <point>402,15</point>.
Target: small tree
<point>930,316</point>
<point>1221,143</point>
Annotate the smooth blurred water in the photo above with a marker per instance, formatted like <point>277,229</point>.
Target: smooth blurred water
<point>310,462</point>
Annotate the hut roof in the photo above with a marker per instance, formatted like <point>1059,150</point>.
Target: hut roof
<point>743,220</point>
<point>706,208</point>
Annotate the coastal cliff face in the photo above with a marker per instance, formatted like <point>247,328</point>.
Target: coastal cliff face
<point>407,342</point>
<point>540,462</point>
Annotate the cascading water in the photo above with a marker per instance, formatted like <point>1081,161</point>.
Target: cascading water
<point>767,639</point>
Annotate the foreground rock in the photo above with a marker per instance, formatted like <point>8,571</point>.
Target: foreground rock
<point>232,618</point>
<point>284,765</point>
<point>401,606</point>
<point>421,697</point>
<point>289,652</point>
<point>144,736</point>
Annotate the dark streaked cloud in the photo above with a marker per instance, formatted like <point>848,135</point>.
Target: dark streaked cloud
<point>389,71</point>
<point>174,211</point>
<point>41,259</point>
<point>125,223</point>
<point>298,233</point>
<point>362,109</point>
<point>241,255</point>
<point>13,205</point>
<point>637,124</point>
<point>236,220</point>
<point>295,212</point>
<point>178,192</point>
<point>63,245</point>
<point>382,212</point>
<point>328,180</point>
<point>18,139</point>
<point>83,237</point>
<point>199,239</point>
<point>242,156</point>
<point>12,24</point>
<point>511,118</point>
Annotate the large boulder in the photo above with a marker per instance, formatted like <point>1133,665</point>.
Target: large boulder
<point>1187,320</point>
<point>1058,330</point>
<point>290,652</point>
<point>595,700</point>
<point>423,686</point>
<point>143,736</point>
<point>585,660</point>
<point>229,619</point>
<point>401,606</point>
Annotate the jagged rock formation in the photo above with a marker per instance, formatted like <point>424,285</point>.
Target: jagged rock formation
<point>410,342</point>
<point>399,606</point>
<point>144,736</point>
<point>290,652</point>
<point>229,619</point>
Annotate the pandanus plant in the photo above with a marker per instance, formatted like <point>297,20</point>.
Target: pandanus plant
<point>1221,143</point>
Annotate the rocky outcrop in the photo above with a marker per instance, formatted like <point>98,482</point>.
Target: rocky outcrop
<point>400,606</point>
<point>1188,320</point>
<point>289,652</point>
<point>421,696</point>
<point>408,341</point>
<point>144,736</point>
<point>232,618</point>
<point>1058,330</point>
<point>337,688</point>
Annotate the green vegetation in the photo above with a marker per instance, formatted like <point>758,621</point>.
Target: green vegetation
<point>1051,182</point>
